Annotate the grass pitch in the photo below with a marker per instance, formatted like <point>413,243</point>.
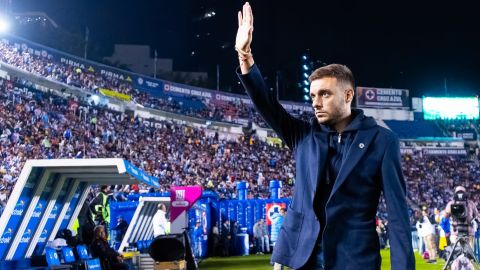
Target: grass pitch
<point>261,262</point>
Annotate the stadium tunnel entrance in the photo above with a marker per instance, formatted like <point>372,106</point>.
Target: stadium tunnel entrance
<point>140,227</point>
<point>49,195</point>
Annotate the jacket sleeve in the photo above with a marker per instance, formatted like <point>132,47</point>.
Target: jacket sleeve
<point>265,101</point>
<point>96,201</point>
<point>102,250</point>
<point>394,190</point>
<point>110,253</point>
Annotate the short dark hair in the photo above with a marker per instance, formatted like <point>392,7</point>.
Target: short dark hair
<point>162,206</point>
<point>341,72</point>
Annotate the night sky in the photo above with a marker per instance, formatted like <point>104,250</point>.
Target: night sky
<point>395,44</point>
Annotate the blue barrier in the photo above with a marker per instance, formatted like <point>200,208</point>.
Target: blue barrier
<point>275,187</point>
<point>242,190</point>
<point>242,243</point>
<point>124,209</point>
<point>200,213</point>
<point>7,265</point>
<point>208,211</point>
<point>136,197</point>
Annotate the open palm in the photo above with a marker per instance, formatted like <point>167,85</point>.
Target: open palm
<point>245,28</point>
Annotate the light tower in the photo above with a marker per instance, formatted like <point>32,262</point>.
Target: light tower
<point>305,70</point>
<point>5,9</point>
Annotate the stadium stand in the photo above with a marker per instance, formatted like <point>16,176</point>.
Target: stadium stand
<point>36,125</point>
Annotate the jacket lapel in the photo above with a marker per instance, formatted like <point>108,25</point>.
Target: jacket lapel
<point>359,147</point>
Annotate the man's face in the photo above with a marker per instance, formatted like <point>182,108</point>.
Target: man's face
<point>329,100</point>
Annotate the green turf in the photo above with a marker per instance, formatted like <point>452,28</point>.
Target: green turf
<point>261,262</point>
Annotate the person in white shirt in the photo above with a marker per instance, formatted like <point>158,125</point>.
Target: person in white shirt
<point>421,235</point>
<point>428,228</point>
<point>159,221</point>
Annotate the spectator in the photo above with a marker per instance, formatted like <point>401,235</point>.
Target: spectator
<point>421,233</point>
<point>277,221</point>
<point>120,230</point>
<point>102,250</point>
<point>258,236</point>
<point>160,222</point>
<point>266,237</point>
<point>215,238</point>
<point>100,207</point>
<point>429,237</point>
<point>197,239</point>
<point>225,238</point>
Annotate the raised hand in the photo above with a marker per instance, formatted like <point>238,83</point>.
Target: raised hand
<point>244,37</point>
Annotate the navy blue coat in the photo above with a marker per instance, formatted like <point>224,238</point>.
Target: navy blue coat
<point>373,165</point>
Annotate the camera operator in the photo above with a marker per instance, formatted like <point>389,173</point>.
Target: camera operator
<point>463,212</point>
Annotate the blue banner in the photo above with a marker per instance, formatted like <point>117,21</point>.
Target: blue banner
<point>141,175</point>
<point>241,213</point>
<point>223,212</point>
<point>18,213</point>
<point>152,86</point>
<point>444,151</point>
<point>232,210</point>
<point>52,218</point>
<point>125,209</point>
<point>382,98</point>
<point>73,205</point>
<point>34,219</point>
<point>199,235</point>
<point>250,219</point>
<point>67,59</point>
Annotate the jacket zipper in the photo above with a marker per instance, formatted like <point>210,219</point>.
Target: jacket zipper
<point>326,217</point>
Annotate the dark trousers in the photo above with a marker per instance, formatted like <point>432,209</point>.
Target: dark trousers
<point>259,245</point>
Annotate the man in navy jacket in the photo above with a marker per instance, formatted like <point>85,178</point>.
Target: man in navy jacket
<point>344,160</point>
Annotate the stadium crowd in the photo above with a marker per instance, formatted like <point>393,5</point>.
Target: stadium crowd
<point>37,125</point>
<point>91,80</point>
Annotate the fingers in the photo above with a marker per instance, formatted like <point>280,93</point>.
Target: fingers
<point>246,15</point>
<point>250,13</point>
<point>245,12</point>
